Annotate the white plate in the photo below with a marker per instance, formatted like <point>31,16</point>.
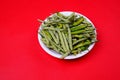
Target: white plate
<point>57,55</point>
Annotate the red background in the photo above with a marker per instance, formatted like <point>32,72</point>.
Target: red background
<point>22,58</point>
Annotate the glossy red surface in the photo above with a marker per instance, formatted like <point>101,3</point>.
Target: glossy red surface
<point>22,58</point>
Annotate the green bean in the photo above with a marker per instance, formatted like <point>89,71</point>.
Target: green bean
<point>66,45</point>
<point>57,37</point>
<point>83,48</point>
<point>64,27</point>
<point>94,40</point>
<point>79,50</point>
<point>83,44</point>
<point>61,52</point>
<point>61,40</point>
<point>86,35</point>
<point>74,40</point>
<point>52,28</point>
<point>87,42</point>
<point>48,45</point>
<point>64,55</point>
<point>48,34</point>
<point>44,40</point>
<point>53,43</point>
<point>76,51</point>
<point>40,20</point>
<point>89,24</point>
<point>61,15</point>
<point>82,39</point>
<point>78,36</point>
<point>78,21</point>
<point>42,31</point>
<point>89,29</point>
<point>65,42</point>
<point>55,48</point>
<point>65,20</point>
<point>78,27</point>
<point>78,32</point>
<point>41,34</point>
<point>53,36</point>
<point>78,45</point>
<point>71,17</point>
<point>69,37</point>
<point>60,25</point>
<point>86,22</point>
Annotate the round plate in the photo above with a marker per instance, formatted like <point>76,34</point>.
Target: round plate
<point>57,55</point>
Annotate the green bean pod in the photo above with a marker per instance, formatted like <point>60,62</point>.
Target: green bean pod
<point>78,27</point>
<point>74,40</point>
<point>61,40</point>
<point>87,42</point>
<point>83,48</point>
<point>53,36</point>
<point>78,45</point>
<point>64,55</point>
<point>61,15</point>
<point>71,17</point>
<point>76,51</point>
<point>78,36</point>
<point>65,20</point>
<point>82,39</point>
<point>81,19</point>
<point>65,42</point>
<point>45,36</point>
<point>52,28</point>
<point>69,37</point>
<point>57,37</point>
<point>78,32</point>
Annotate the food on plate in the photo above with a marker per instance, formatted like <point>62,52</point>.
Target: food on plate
<point>67,35</point>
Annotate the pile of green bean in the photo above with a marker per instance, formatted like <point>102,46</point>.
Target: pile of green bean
<point>67,35</point>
